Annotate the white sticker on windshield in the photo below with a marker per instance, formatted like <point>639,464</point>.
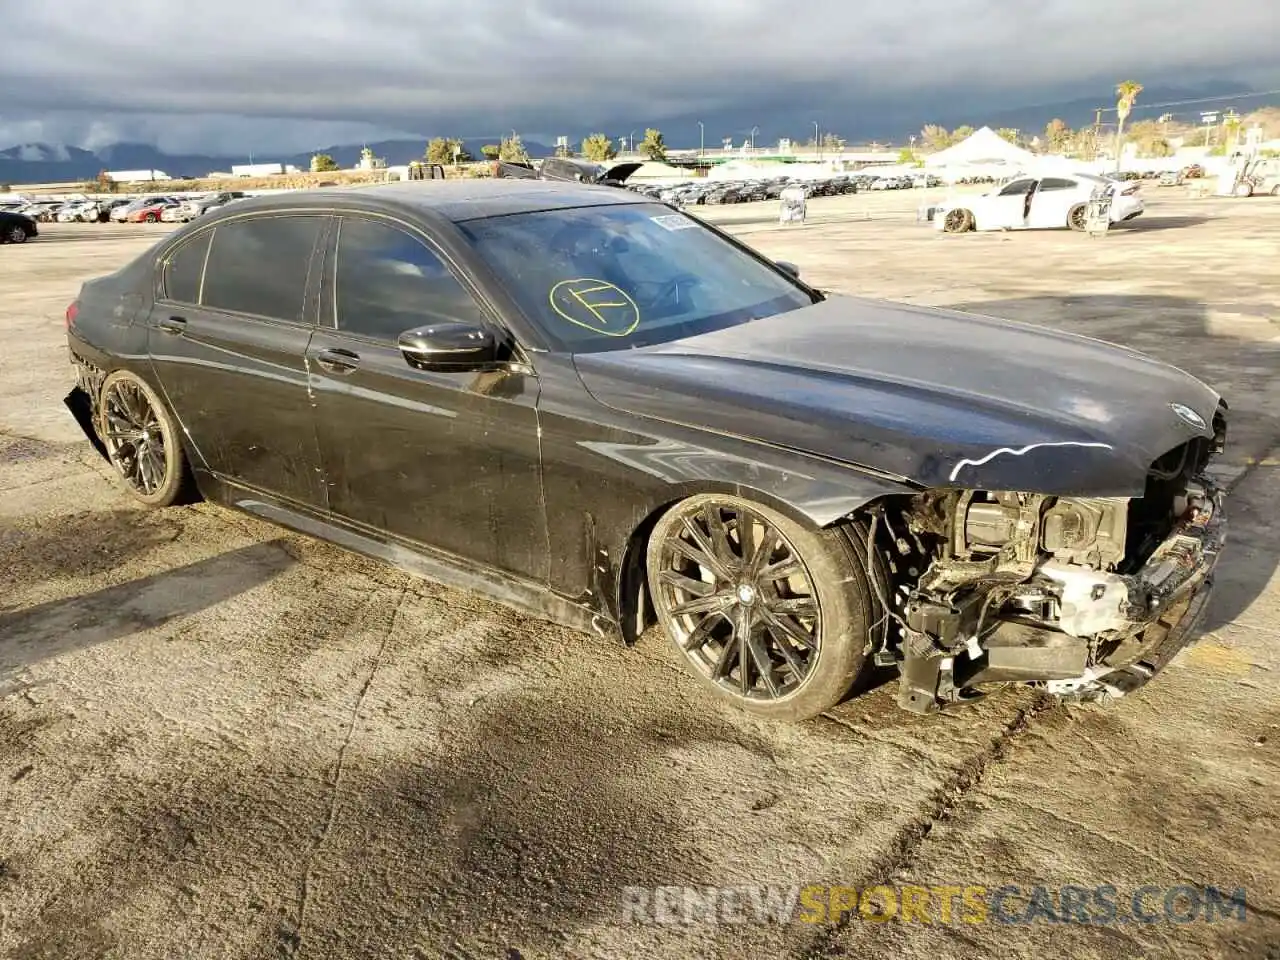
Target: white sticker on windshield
<point>674,221</point>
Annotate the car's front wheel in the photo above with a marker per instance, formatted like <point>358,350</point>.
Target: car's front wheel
<point>1078,217</point>
<point>16,234</point>
<point>767,613</point>
<point>142,440</point>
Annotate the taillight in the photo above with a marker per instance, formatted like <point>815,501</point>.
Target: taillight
<point>72,312</point>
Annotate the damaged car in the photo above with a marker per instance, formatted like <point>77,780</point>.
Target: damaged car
<point>574,170</point>
<point>1039,203</point>
<point>612,415</point>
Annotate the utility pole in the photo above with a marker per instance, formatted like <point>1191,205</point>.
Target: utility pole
<point>1097,134</point>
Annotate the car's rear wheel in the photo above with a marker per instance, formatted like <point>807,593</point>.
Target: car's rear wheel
<point>142,440</point>
<point>1244,189</point>
<point>151,218</point>
<point>1077,216</point>
<point>16,234</point>
<point>958,221</point>
<point>767,613</point>
<point>1275,191</point>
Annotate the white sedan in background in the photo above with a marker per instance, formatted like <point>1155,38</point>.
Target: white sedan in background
<point>1038,203</point>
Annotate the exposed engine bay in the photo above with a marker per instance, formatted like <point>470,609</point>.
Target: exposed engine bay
<point>1086,597</point>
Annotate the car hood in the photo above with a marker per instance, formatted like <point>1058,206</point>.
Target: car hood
<point>934,397</point>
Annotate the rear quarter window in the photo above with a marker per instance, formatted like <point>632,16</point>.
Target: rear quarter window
<point>183,269</point>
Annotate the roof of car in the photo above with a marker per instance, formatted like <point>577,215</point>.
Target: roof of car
<point>456,200</point>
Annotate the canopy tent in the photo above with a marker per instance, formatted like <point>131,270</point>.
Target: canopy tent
<point>984,147</point>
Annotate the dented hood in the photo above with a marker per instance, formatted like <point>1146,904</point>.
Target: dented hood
<point>935,397</point>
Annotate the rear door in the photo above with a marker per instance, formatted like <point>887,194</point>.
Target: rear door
<point>228,337</point>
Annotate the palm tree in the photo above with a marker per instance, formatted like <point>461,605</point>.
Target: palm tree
<point>1126,92</point>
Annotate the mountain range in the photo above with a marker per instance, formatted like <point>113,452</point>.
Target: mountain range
<point>45,163</point>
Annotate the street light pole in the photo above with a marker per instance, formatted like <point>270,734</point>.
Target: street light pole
<point>633,141</point>
<point>702,140</point>
<point>754,131</point>
<point>817,143</point>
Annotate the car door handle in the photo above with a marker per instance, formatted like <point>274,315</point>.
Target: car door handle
<point>337,360</point>
<point>174,325</point>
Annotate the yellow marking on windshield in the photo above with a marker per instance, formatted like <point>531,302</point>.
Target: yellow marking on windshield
<point>595,305</point>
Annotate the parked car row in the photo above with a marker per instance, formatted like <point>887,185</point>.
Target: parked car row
<point>701,192</point>
<point>79,210</point>
<point>151,209</point>
<point>173,209</point>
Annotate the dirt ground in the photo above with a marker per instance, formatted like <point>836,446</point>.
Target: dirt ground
<point>219,739</point>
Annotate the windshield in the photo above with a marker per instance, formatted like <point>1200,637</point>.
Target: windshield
<point>618,277</point>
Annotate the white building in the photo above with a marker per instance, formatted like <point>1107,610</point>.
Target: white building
<point>136,176</point>
<point>261,169</point>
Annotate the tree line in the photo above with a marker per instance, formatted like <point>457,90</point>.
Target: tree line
<point>1153,138</point>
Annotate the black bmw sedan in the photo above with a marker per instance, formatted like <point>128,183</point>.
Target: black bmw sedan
<point>16,227</point>
<point>599,409</point>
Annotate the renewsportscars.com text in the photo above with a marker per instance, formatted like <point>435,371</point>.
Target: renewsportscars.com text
<point>946,904</point>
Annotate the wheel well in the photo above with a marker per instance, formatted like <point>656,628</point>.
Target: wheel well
<point>635,610</point>
<point>635,605</point>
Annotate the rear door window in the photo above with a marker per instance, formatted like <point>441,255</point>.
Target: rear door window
<point>259,266</point>
<point>1056,183</point>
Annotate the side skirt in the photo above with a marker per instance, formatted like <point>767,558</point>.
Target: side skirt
<point>525,596</point>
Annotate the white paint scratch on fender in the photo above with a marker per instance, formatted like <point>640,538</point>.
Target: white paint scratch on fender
<point>1019,452</point>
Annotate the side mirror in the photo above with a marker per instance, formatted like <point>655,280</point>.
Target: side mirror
<point>447,347</point>
<point>787,267</point>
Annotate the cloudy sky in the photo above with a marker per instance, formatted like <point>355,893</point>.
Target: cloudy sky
<point>228,76</point>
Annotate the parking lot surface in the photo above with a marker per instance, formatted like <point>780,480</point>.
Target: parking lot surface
<point>221,739</point>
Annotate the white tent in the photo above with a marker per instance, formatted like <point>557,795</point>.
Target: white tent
<point>983,147</point>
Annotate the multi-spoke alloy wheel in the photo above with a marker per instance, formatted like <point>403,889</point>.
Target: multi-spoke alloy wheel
<point>769,614</point>
<point>957,221</point>
<point>140,439</point>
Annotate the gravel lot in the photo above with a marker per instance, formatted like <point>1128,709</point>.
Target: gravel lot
<point>219,739</point>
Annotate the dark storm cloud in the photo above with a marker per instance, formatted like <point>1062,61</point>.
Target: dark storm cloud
<point>185,72</point>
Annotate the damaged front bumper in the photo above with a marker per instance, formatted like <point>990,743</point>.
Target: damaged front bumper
<point>1161,606</point>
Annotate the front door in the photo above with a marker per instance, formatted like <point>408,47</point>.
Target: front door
<point>1054,198</point>
<point>228,342</point>
<point>446,460</point>
<point>1009,209</point>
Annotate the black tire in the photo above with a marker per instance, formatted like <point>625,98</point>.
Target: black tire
<point>16,234</point>
<point>1275,191</point>
<point>131,419</point>
<point>151,218</point>
<point>814,660</point>
<point>959,220</point>
<point>1077,217</point>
